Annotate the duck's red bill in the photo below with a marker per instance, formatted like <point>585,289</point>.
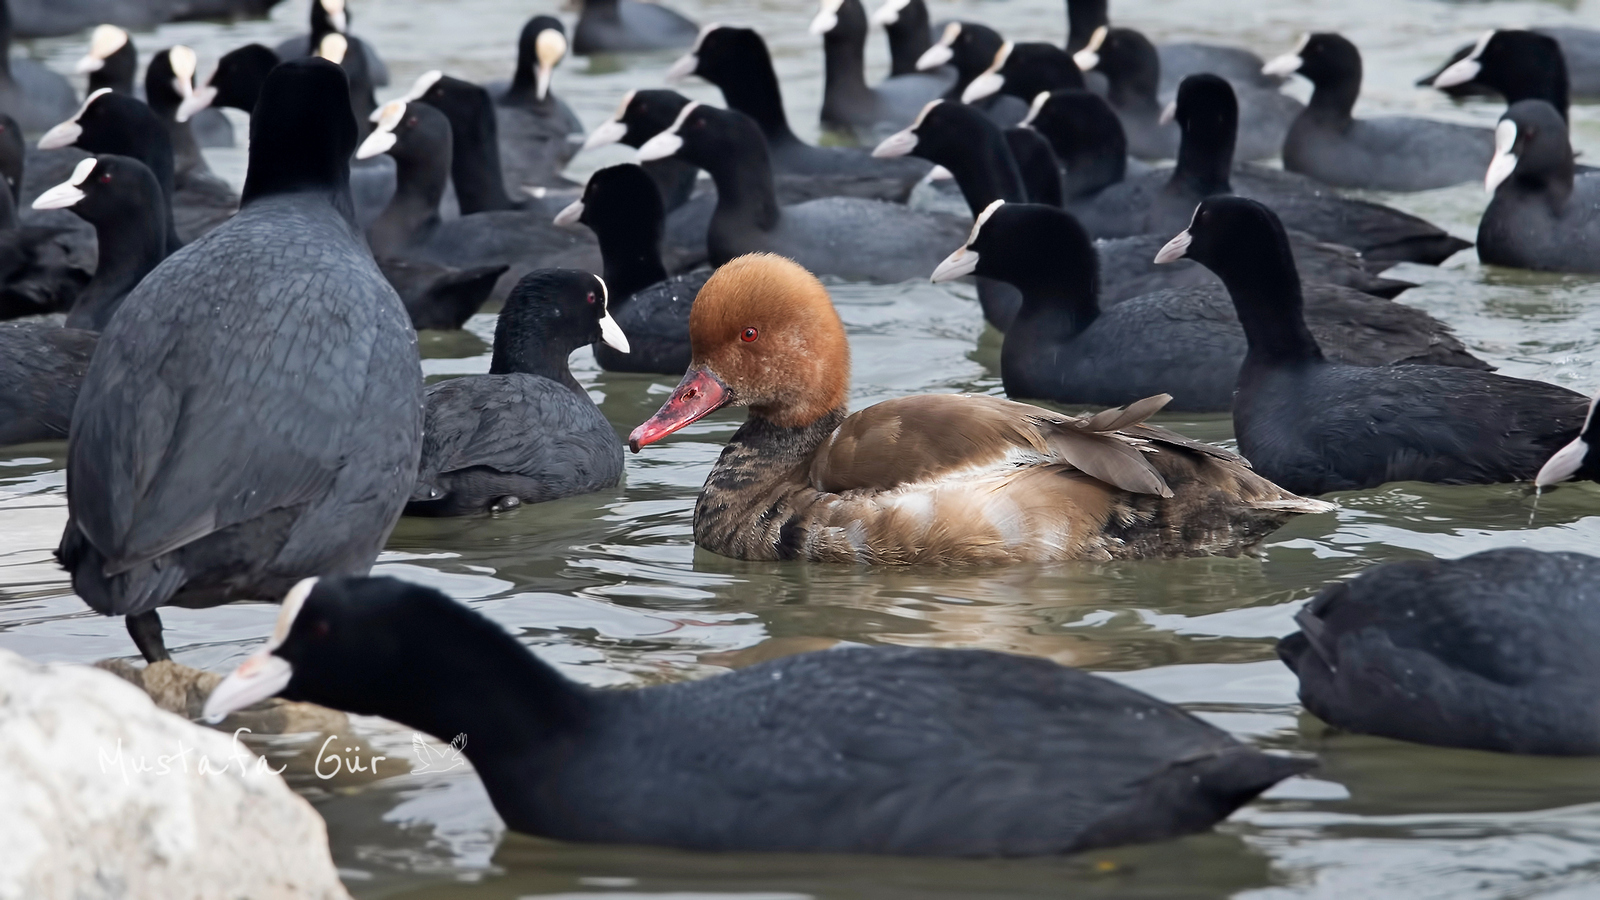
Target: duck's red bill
<point>699,394</point>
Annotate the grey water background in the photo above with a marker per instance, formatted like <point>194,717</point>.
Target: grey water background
<point>610,588</point>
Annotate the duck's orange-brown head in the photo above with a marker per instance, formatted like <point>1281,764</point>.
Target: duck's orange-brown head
<point>765,335</point>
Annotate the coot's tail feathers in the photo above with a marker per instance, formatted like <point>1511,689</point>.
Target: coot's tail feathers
<point>1427,249</point>
<point>1194,794</point>
<point>454,297</point>
<point>140,589</point>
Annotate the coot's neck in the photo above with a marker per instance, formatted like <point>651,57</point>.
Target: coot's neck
<point>1053,312</point>
<point>129,248</point>
<point>755,92</point>
<point>631,255</point>
<point>1036,163</point>
<point>984,168</point>
<point>844,78</point>
<point>185,150</point>
<point>1205,159</point>
<point>1132,85</point>
<point>524,90</point>
<point>414,210</point>
<point>145,138</point>
<point>1333,99</point>
<point>1544,80</point>
<point>476,167</point>
<point>758,456</point>
<point>1266,294</point>
<point>1552,183</point>
<point>747,198</point>
<point>909,38</point>
<point>674,178</point>
<point>1093,169</point>
<point>1083,17</point>
<point>531,341</point>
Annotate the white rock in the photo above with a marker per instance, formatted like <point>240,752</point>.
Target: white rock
<point>102,795</point>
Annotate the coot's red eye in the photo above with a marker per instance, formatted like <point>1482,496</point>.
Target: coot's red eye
<point>591,296</point>
<point>106,178</point>
<point>748,336</point>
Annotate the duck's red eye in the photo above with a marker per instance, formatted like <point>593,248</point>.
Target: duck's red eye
<point>748,336</point>
<point>591,296</point>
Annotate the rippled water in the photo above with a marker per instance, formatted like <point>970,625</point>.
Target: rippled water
<point>610,587</point>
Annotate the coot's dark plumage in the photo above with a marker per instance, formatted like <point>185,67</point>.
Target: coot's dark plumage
<point>41,369</point>
<point>1387,153</point>
<point>253,414</point>
<point>1023,70</point>
<point>621,206</point>
<point>1164,200</point>
<point>865,240</point>
<point>906,25</point>
<point>1064,345</point>
<point>1087,138</point>
<point>1547,64</point>
<point>1498,651</point>
<point>1577,460</point>
<point>526,432</point>
<point>1544,215</point>
<point>168,81</point>
<point>1036,161</point>
<point>337,48</point>
<point>737,62</point>
<point>112,60</point>
<point>476,170</point>
<point>538,132</point>
<point>622,26</point>
<point>849,104</point>
<point>1314,425</point>
<point>1133,74</point>
<point>29,92</point>
<point>330,17</point>
<point>860,750</point>
<point>1179,59</point>
<point>970,48</point>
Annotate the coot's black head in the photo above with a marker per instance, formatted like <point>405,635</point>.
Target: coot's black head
<point>1083,17</point>
<point>1023,71</point>
<point>1033,246</point>
<point>328,17</point>
<point>1532,150</point>
<point>169,80</point>
<point>722,54</point>
<point>112,191</point>
<point>549,314</point>
<point>301,132</point>
<point>353,644</point>
<point>1519,65</point>
<point>704,135</point>
<point>413,133</point>
<point>1038,165</point>
<point>639,117</point>
<point>841,22</point>
<point>463,103</point>
<point>542,45</point>
<point>944,133</point>
<point>13,152</point>
<point>1579,459</point>
<point>1127,59</point>
<point>1078,123</point>
<point>1228,234</point>
<point>1324,58</point>
<point>108,122</point>
<point>112,60</point>
<point>236,84</point>
<point>1207,113</point>
<point>968,46</point>
<point>617,198</point>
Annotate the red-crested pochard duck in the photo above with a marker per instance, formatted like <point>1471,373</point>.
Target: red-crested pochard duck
<point>934,478</point>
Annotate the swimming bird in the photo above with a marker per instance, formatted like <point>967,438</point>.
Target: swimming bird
<point>970,48</point>
<point>623,26</point>
<point>333,17</point>
<point>1385,153</point>
<point>862,240</point>
<point>905,23</point>
<point>112,60</point>
<point>1547,63</point>
<point>168,81</point>
<point>1068,346</point>
<point>1574,461</point>
<point>621,205</point>
<point>1545,215</point>
<point>1493,651</point>
<point>253,412</point>
<point>538,132</point>
<point>526,432</point>
<point>849,105</point>
<point>929,479</point>
<point>888,750</point>
<point>1315,425</point>
<point>1179,59</point>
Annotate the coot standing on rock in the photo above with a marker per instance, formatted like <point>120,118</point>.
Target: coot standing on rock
<point>861,750</point>
<point>253,414</point>
<point>1314,425</point>
<point>526,432</point>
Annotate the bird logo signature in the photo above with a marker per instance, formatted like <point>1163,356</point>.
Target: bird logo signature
<point>442,759</point>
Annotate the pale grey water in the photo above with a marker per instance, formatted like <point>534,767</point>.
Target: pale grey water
<point>611,589</point>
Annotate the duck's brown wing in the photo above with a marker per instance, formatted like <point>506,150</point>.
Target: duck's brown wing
<point>930,437</point>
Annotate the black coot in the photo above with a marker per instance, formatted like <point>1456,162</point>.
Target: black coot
<point>476,170</point>
<point>1024,69</point>
<point>526,432</point>
<point>906,25</point>
<point>1497,651</point>
<point>1066,347</point>
<point>112,60</point>
<point>45,261</point>
<point>1133,74</point>
<point>1314,425</point>
<point>538,132</point>
<point>253,413</point>
<point>737,62</point>
<point>1544,215</point>
<point>849,105</point>
<point>1179,59</point>
<point>1576,460</point>
<point>904,751</point>
<point>1540,64</point>
<point>852,238</point>
<point>168,81</point>
<point>1164,200</point>
<point>621,26</point>
<point>970,49</point>
<point>336,48</point>
<point>621,206</point>
<point>329,17</point>
<point>1087,138</point>
<point>1386,153</point>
